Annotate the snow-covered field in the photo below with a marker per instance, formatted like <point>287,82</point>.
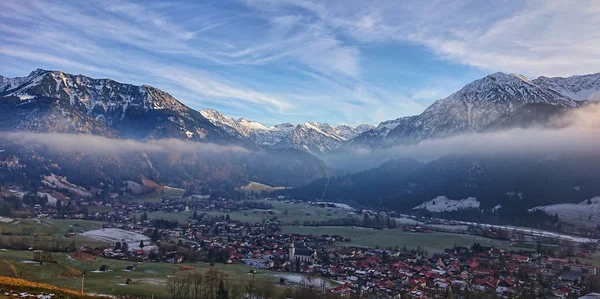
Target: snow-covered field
<point>299,278</point>
<point>337,205</point>
<point>443,204</point>
<point>5,220</point>
<point>54,181</point>
<point>585,213</point>
<point>51,199</point>
<point>114,235</point>
<point>533,232</point>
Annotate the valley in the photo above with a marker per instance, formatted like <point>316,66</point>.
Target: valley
<point>299,149</point>
<point>184,235</point>
<point>138,191</point>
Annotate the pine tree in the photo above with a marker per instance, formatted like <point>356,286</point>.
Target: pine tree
<point>141,244</point>
<point>155,235</point>
<point>59,206</point>
<point>222,293</point>
<point>366,220</point>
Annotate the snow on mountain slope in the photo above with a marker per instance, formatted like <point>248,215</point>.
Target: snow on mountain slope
<point>476,107</point>
<point>363,128</point>
<point>443,204</point>
<point>376,135</point>
<point>579,88</point>
<point>311,137</point>
<point>224,122</point>
<point>346,132</point>
<point>257,132</point>
<point>585,213</point>
<point>97,96</point>
<point>391,124</point>
<point>314,137</point>
<point>60,102</point>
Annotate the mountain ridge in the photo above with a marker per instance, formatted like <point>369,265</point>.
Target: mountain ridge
<point>479,106</point>
<point>125,110</point>
<point>119,109</point>
<point>314,137</point>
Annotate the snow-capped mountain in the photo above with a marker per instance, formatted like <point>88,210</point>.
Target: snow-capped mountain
<point>313,137</point>
<point>58,102</point>
<point>107,107</point>
<point>484,104</point>
<point>578,88</point>
<point>257,132</point>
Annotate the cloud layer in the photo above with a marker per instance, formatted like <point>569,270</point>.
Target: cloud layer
<point>93,144</point>
<point>575,133</point>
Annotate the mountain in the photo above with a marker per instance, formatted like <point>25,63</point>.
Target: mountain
<point>257,132</point>
<point>486,104</point>
<point>516,181</point>
<point>313,137</point>
<point>56,102</point>
<point>52,101</point>
<point>578,88</point>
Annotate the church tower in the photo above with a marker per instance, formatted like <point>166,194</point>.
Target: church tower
<point>292,252</point>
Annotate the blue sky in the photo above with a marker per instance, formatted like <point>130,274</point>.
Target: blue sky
<point>279,61</point>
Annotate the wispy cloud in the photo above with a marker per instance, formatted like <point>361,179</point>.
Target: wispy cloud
<point>534,37</point>
<point>301,60</point>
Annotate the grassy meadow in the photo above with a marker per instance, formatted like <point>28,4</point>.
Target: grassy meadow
<point>149,279</point>
<point>364,237</point>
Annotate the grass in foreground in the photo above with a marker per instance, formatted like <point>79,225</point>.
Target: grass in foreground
<point>149,279</point>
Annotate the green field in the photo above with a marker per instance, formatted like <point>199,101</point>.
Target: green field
<point>147,280</point>
<point>47,227</point>
<point>181,217</point>
<point>363,237</point>
<point>295,212</point>
<point>157,196</point>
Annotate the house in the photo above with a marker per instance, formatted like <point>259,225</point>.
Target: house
<point>483,271</point>
<point>104,268</point>
<point>343,290</point>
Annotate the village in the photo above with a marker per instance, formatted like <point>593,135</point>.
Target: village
<point>343,270</point>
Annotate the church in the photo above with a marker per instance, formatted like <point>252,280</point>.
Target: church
<point>300,252</point>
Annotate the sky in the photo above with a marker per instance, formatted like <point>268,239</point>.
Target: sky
<point>274,61</point>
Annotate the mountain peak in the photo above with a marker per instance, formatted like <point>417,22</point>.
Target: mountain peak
<point>503,78</point>
<point>39,72</point>
<point>522,77</point>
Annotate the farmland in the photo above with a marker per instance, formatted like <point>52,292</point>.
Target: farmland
<point>289,213</point>
<point>147,280</point>
<point>47,227</point>
<point>46,233</point>
<point>156,196</point>
<point>285,212</point>
<point>364,237</point>
<point>180,217</point>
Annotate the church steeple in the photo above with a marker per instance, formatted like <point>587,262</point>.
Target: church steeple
<point>292,252</point>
